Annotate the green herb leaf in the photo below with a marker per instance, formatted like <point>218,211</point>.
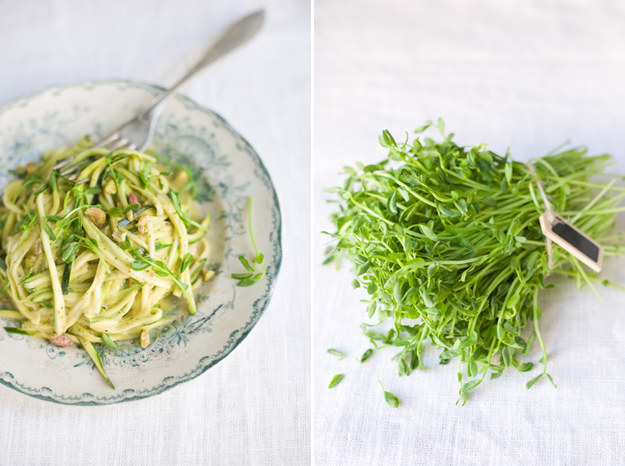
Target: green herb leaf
<point>27,221</point>
<point>69,251</point>
<point>391,399</point>
<point>336,353</point>
<point>242,276</point>
<point>175,200</point>
<point>139,265</point>
<point>18,331</point>
<point>67,270</point>
<point>529,384</point>
<point>107,341</point>
<point>335,380</point>
<point>246,264</point>
<point>366,355</point>
<point>186,261</point>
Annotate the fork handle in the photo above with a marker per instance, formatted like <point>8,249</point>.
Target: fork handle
<point>235,36</point>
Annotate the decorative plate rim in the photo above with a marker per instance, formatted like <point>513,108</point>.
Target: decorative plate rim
<point>201,367</point>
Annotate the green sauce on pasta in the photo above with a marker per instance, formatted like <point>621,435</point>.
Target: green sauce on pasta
<point>89,257</point>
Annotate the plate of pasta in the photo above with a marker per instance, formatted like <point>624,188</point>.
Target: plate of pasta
<point>125,273</point>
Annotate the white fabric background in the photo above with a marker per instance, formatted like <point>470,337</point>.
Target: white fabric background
<point>253,407</point>
<point>527,75</point>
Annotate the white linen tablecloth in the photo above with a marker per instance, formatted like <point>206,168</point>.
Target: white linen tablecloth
<point>253,407</point>
<point>527,75</point>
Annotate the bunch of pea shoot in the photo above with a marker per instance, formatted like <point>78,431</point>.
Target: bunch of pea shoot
<point>446,241</point>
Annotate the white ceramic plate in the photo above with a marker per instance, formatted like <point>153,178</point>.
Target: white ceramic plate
<point>228,171</point>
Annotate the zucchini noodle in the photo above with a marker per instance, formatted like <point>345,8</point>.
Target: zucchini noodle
<point>89,251</point>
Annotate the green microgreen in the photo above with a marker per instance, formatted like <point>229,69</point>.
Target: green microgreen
<point>92,245</point>
<point>445,240</point>
<point>67,271</point>
<point>335,380</point>
<point>17,331</point>
<point>97,361</point>
<point>175,200</point>
<point>252,277</point>
<point>27,221</point>
<point>144,175</point>
<point>143,261</point>
<point>189,185</point>
<point>107,341</point>
<point>19,172</point>
<point>390,398</point>
<point>185,262</point>
<point>366,355</point>
<point>337,353</point>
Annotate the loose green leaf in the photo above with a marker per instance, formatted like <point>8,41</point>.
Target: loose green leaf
<point>391,399</point>
<point>366,355</point>
<point>246,264</point>
<point>337,353</point>
<point>335,380</point>
<point>529,384</point>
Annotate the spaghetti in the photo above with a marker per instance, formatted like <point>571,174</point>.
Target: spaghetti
<point>89,258</point>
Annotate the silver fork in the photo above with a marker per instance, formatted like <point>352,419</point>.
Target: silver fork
<point>137,133</point>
